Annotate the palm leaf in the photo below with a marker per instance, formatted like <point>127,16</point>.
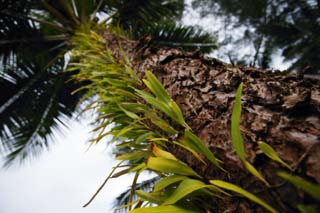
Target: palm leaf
<point>33,107</point>
<point>123,198</point>
<point>34,37</point>
<point>134,14</point>
<point>170,34</point>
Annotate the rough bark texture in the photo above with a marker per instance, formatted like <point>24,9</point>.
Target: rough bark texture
<point>278,108</point>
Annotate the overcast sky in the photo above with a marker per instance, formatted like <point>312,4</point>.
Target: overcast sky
<point>62,179</point>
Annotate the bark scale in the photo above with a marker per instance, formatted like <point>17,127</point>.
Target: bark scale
<point>279,109</point>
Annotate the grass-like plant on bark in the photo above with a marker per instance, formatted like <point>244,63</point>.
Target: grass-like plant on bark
<point>144,120</point>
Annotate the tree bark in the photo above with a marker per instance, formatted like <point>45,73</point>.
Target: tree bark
<point>279,109</point>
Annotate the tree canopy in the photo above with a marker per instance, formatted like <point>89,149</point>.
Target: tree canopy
<point>286,25</point>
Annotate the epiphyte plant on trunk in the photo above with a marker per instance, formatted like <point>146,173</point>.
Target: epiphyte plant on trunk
<point>147,121</point>
<point>35,35</point>
<point>140,127</point>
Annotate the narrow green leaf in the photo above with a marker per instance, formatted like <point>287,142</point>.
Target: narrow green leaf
<point>155,103</point>
<point>255,172</point>
<point>178,116</point>
<point>237,189</point>
<point>271,153</point>
<point>235,125</point>
<point>187,146</point>
<point>140,167</point>
<point>310,188</point>
<point>133,155</point>
<point>170,108</point>
<point>156,87</point>
<point>185,188</point>
<point>164,182</point>
<point>159,139</point>
<point>122,132</point>
<point>201,147</point>
<point>163,209</point>
<point>170,166</point>
<point>144,137</point>
<point>161,153</point>
<point>153,197</point>
<point>164,126</point>
<point>129,114</point>
<point>120,173</point>
<point>306,209</point>
<point>103,184</point>
<point>127,205</point>
<point>133,187</point>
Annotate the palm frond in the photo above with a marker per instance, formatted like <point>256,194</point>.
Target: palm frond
<point>32,107</point>
<point>34,37</point>
<point>189,38</point>
<point>123,198</point>
<point>134,14</point>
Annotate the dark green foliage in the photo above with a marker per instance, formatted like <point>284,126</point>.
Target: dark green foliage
<point>123,198</point>
<point>37,98</point>
<point>289,25</point>
<point>135,14</point>
<point>187,37</point>
<point>158,19</point>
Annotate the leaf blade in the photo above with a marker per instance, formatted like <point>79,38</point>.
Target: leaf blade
<point>163,209</point>
<point>310,188</point>
<point>170,166</point>
<point>237,189</point>
<point>186,187</point>
<point>237,141</point>
<point>271,153</point>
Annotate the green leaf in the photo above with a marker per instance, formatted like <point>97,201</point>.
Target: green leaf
<point>235,125</point>
<point>144,137</point>
<point>200,147</point>
<point>153,197</point>
<point>178,116</point>
<point>122,132</point>
<point>169,108</point>
<point>186,187</point>
<point>254,172</point>
<point>133,168</point>
<point>187,146</point>
<point>120,173</point>
<point>170,166</point>
<point>237,189</point>
<point>129,114</point>
<point>133,155</point>
<point>133,187</point>
<point>164,126</point>
<point>161,153</point>
<point>306,209</point>
<point>155,102</point>
<point>164,182</point>
<point>156,87</point>
<point>139,167</point>
<point>310,188</point>
<point>271,153</point>
<point>163,209</point>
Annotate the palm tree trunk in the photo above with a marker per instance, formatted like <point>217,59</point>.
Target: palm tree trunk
<point>278,108</point>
